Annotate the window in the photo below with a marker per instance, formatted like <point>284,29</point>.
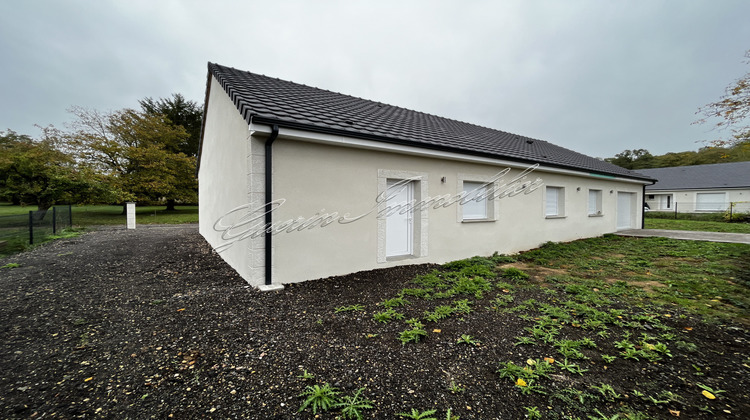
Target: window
<point>475,201</point>
<point>710,202</point>
<point>555,203</point>
<point>595,202</point>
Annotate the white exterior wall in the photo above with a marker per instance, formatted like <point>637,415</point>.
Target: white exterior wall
<point>317,179</point>
<point>684,201</point>
<point>231,174</point>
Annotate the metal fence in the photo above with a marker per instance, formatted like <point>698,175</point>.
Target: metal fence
<point>20,230</point>
<point>735,211</point>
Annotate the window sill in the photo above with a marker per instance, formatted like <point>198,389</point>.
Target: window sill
<point>596,215</point>
<point>555,217</point>
<point>477,220</point>
<point>400,257</point>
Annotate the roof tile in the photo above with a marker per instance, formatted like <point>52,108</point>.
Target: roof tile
<point>286,103</point>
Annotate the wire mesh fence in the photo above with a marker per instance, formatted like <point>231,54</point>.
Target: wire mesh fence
<point>21,230</point>
<point>735,211</point>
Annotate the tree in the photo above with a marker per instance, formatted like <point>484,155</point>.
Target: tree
<point>179,112</point>
<point>632,159</point>
<point>733,110</point>
<point>38,172</point>
<point>138,151</point>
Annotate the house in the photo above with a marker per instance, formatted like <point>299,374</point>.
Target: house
<point>298,183</point>
<point>698,188</point>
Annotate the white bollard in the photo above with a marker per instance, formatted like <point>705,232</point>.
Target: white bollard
<point>130,212</point>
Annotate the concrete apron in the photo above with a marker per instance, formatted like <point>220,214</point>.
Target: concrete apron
<point>739,238</point>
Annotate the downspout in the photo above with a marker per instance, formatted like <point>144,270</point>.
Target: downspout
<point>643,207</point>
<point>269,198</point>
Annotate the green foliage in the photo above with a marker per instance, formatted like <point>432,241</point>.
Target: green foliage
<point>319,397</point>
<point>352,406</point>
<point>467,339</point>
<point>11,265</point>
<point>138,151</point>
<point>415,414</point>
<point>41,173</point>
<point>514,274</point>
<point>398,301</point>
<point>305,375</point>
<point>414,334</point>
<point>440,312</point>
<point>356,307</point>
<point>533,413</point>
<point>387,316</point>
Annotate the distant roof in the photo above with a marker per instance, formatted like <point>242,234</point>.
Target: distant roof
<point>272,101</point>
<point>717,175</point>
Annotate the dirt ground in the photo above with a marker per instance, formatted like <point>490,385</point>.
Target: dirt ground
<point>152,323</point>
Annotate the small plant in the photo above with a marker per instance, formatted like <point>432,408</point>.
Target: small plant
<point>603,416</point>
<point>456,388</point>
<point>440,312</point>
<point>352,406</point>
<point>514,274</point>
<point>511,370</point>
<point>571,367</point>
<point>349,308</point>
<point>709,392</point>
<point>462,306</point>
<point>607,391</point>
<point>11,265</point>
<point>392,303</point>
<point>533,413</point>
<point>305,375</point>
<point>419,415</point>
<point>387,316</point>
<point>414,334</point>
<point>467,339</point>
<point>608,358</point>
<point>529,387</point>
<point>631,353</point>
<point>450,416</point>
<point>520,341</point>
<point>319,398</point>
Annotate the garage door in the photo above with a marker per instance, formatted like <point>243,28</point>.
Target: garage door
<point>710,202</point>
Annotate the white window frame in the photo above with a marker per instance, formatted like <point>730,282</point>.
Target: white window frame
<point>491,210</point>
<point>554,202</point>
<point>595,203</point>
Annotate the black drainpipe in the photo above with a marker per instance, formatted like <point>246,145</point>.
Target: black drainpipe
<point>269,198</point>
<point>643,208</point>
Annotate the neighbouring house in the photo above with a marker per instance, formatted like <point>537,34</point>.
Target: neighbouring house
<point>298,183</point>
<point>698,188</point>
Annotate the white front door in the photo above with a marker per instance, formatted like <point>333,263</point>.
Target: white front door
<point>399,219</point>
<point>624,210</point>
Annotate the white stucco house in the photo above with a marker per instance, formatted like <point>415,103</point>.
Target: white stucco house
<point>699,188</point>
<point>298,183</point>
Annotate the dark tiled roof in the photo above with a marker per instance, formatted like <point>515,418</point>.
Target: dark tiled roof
<point>292,105</point>
<point>717,175</point>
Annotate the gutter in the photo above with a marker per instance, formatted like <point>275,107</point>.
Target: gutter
<point>269,198</point>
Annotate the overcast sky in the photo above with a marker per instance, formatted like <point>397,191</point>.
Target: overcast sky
<point>594,76</point>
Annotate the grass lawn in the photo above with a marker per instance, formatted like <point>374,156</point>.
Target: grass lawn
<point>112,215</point>
<point>697,225</point>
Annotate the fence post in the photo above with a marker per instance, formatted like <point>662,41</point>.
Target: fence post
<point>675,210</point>
<point>31,228</point>
<point>54,220</point>
<point>731,207</point>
